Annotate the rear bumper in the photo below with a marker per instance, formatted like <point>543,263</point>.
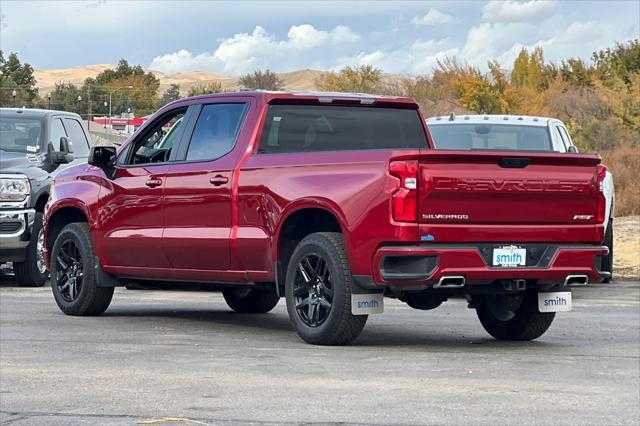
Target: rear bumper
<point>425,265</point>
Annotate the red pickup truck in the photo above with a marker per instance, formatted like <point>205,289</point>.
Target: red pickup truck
<point>333,201</point>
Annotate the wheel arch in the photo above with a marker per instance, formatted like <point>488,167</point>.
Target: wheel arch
<point>60,216</point>
<point>300,220</point>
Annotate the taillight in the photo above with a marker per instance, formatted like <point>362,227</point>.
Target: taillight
<point>404,200</point>
<point>601,200</point>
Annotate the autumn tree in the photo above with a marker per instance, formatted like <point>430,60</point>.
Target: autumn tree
<point>262,80</point>
<point>363,79</point>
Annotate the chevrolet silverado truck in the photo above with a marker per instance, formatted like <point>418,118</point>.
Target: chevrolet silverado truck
<point>34,145</point>
<point>519,133</point>
<point>333,201</point>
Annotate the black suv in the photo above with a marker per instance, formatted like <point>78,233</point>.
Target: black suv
<point>33,146</point>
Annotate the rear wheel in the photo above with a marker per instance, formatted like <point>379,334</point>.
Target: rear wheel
<point>33,271</point>
<point>514,317</point>
<point>607,261</point>
<point>251,300</point>
<point>73,276</point>
<point>318,291</point>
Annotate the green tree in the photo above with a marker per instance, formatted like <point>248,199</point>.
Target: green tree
<point>204,89</point>
<point>64,97</point>
<point>171,94</point>
<point>577,72</point>
<point>129,86</point>
<point>622,61</point>
<point>17,76</point>
<point>363,78</point>
<point>262,80</point>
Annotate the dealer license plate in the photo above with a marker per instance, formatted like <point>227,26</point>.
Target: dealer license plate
<point>557,301</point>
<point>509,256</point>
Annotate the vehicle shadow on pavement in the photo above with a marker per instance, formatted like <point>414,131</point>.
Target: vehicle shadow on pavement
<point>212,317</point>
<point>279,328</point>
<point>8,280</point>
<point>427,339</point>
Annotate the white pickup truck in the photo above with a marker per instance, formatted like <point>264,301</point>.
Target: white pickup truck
<point>515,133</point>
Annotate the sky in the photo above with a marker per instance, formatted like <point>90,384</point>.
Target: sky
<point>233,38</point>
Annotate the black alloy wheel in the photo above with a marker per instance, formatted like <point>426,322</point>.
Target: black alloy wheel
<point>70,272</point>
<point>313,290</point>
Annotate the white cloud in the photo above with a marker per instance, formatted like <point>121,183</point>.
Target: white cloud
<point>488,41</point>
<point>342,34</point>
<point>513,11</point>
<point>244,52</point>
<point>433,17</point>
<point>579,38</point>
<point>183,60</point>
<point>418,57</point>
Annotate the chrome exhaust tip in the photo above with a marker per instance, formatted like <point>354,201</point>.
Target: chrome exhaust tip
<point>576,280</point>
<point>450,281</point>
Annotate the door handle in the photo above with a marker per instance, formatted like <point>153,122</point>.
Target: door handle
<point>218,180</point>
<point>152,183</point>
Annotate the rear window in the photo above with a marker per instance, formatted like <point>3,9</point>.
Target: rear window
<point>490,136</point>
<point>310,128</point>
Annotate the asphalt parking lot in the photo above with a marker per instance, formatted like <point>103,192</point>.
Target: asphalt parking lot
<point>165,357</point>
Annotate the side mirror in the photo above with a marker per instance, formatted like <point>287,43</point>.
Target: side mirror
<point>65,155</point>
<point>572,149</point>
<point>103,157</point>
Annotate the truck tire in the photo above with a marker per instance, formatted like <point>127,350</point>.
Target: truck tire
<point>524,322</point>
<point>73,273</point>
<point>607,261</point>
<point>318,289</point>
<point>33,271</point>
<point>251,300</point>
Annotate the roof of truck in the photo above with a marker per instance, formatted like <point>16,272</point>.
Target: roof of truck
<point>524,120</point>
<point>33,112</point>
<point>322,97</point>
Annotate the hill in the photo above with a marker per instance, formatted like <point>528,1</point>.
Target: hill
<point>293,80</point>
<point>47,78</point>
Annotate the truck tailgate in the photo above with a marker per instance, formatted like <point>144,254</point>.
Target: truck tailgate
<point>508,189</point>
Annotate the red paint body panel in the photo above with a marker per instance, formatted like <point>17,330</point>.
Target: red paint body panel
<point>187,229</point>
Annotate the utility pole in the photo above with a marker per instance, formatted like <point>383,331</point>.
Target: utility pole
<point>89,108</point>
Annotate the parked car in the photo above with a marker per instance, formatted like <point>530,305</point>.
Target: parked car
<point>519,133</point>
<point>34,146</point>
<point>333,201</point>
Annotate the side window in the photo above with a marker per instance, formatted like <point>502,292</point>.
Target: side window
<point>77,137</point>
<point>216,131</point>
<point>57,131</point>
<point>565,144</point>
<point>565,135</point>
<point>154,145</point>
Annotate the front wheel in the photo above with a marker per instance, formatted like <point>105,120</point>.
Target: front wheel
<point>318,289</point>
<point>73,273</point>
<point>33,271</point>
<point>514,317</point>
